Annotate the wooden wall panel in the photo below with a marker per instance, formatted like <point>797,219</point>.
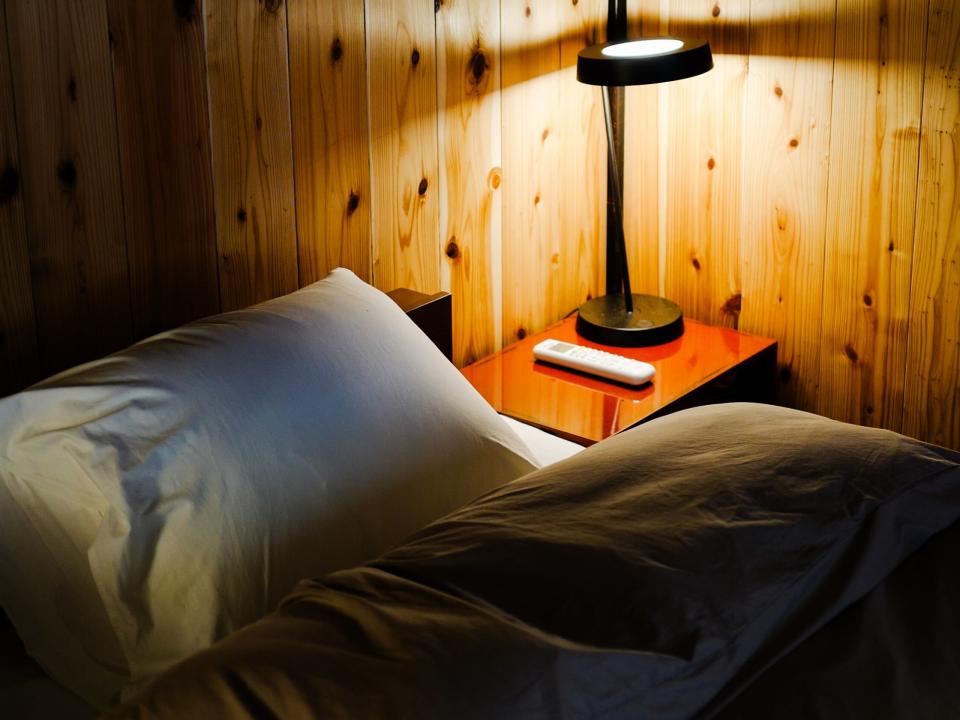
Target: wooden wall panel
<point>159,72</point>
<point>67,132</point>
<point>330,139</point>
<point>534,292</point>
<point>932,394</point>
<point>703,141</point>
<point>402,73</point>
<point>583,164</point>
<point>468,71</point>
<point>784,184</point>
<point>873,190</point>
<point>641,173</point>
<point>18,346</point>
<point>765,194</point>
<point>252,149</point>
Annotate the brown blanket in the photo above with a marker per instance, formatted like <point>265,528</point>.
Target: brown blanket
<point>654,575</point>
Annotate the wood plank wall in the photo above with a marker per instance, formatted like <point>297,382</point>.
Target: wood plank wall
<point>163,161</point>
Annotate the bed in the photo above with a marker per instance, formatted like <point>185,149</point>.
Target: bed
<point>257,515</point>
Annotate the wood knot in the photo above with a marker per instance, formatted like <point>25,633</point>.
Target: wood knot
<point>545,135</point>
<point>67,174</point>
<point>495,178</point>
<point>782,219</point>
<point>536,199</point>
<point>353,202</point>
<point>422,187</point>
<point>271,6</point>
<point>259,122</point>
<point>185,10</point>
<point>851,353</point>
<point>527,11</point>
<point>716,11</point>
<point>555,259</point>
<point>241,217</point>
<point>733,305</point>
<point>869,409</point>
<point>696,263</point>
<point>72,89</point>
<point>794,142</point>
<point>575,2</point>
<point>890,246</point>
<point>867,300</point>
<point>478,66</point>
<point>336,50</point>
<point>415,57</point>
<point>453,250</point>
<point>9,184</point>
<point>521,333</point>
<point>711,164</point>
<point>778,91</point>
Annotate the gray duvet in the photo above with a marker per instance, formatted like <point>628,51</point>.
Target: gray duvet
<point>659,574</point>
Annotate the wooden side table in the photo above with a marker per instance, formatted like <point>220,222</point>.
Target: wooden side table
<point>705,365</point>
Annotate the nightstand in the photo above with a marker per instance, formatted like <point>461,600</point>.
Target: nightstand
<point>705,365</point>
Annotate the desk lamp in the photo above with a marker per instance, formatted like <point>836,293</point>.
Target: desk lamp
<point>626,319</point>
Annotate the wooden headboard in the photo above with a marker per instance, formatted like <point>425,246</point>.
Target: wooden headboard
<point>432,313</point>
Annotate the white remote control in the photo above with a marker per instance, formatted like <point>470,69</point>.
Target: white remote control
<point>595,362</point>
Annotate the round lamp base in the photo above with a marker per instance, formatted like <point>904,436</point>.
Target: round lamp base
<point>653,321</point>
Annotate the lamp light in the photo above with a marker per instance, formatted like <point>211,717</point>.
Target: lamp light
<point>627,319</point>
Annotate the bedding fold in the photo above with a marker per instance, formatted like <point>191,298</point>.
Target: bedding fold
<point>653,575</point>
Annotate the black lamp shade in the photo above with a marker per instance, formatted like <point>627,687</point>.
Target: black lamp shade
<point>618,66</point>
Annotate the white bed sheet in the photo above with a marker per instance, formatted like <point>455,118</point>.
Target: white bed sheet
<point>546,448</point>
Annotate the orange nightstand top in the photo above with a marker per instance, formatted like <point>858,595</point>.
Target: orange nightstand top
<point>587,409</point>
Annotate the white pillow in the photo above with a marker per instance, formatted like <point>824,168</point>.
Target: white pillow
<point>153,501</point>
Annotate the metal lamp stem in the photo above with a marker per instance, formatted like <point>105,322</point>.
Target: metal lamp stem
<point>618,317</point>
<point>621,244</point>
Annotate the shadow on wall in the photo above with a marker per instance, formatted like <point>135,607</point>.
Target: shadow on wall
<point>732,35</point>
